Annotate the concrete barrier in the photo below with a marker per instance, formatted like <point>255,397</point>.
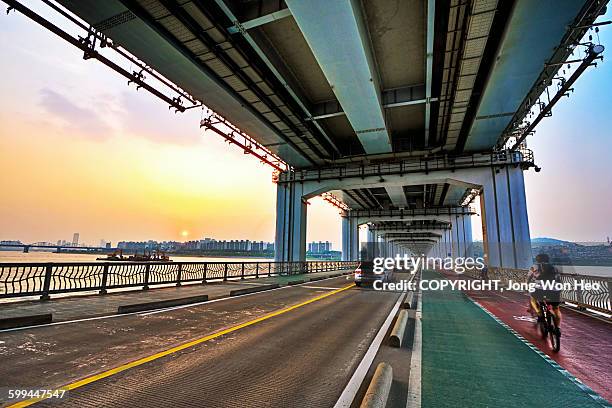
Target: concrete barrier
<point>397,334</point>
<point>159,304</point>
<point>253,289</point>
<point>23,321</point>
<point>296,282</point>
<point>409,301</point>
<point>378,392</point>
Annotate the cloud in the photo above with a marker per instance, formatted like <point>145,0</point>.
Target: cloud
<point>148,117</point>
<point>80,121</point>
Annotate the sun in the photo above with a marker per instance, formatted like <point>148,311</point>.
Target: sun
<point>184,233</point>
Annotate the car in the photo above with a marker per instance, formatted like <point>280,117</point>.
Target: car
<point>364,274</point>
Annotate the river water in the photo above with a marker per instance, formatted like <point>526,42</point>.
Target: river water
<point>40,256</point>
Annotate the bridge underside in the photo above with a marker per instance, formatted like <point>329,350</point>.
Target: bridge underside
<point>355,88</point>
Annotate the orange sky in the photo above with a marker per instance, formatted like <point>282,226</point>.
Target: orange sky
<point>56,182</point>
<point>80,151</point>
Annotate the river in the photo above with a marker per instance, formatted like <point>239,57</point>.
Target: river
<point>41,256</point>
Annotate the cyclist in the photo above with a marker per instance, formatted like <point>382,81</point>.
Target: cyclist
<point>544,271</point>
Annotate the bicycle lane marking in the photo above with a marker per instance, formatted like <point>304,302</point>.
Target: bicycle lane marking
<point>585,388</point>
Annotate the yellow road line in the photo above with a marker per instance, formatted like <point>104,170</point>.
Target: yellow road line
<point>136,363</point>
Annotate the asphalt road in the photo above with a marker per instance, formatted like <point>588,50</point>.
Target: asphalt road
<point>302,357</point>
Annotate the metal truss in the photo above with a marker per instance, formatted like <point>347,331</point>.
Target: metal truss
<point>434,211</point>
<point>409,234</point>
<point>233,135</point>
<point>522,157</point>
<point>470,196</point>
<point>333,200</point>
<point>92,40</point>
<point>378,227</point>
<point>539,101</point>
<point>542,108</point>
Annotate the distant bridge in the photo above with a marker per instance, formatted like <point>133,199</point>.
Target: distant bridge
<point>59,248</point>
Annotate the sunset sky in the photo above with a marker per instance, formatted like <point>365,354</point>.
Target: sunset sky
<point>80,151</point>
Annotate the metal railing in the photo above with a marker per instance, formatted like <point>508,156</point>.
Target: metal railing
<point>599,298</point>
<point>419,164</point>
<point>44,279</point>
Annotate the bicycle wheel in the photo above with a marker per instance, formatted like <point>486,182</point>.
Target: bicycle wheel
<point>555,338</point>
<point>543,326</point>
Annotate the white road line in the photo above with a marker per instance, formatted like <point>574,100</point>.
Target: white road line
<point>348,395</point>
<point>414,381</point>
<point>167,309</point>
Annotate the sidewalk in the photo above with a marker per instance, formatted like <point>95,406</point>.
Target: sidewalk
<point>94,305</point>
<point>469,359</point>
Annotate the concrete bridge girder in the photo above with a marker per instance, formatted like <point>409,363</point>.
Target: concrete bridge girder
<point>438,231</point>
<point>468,178</point>
<point>503,205</point>
<point>446,219</point>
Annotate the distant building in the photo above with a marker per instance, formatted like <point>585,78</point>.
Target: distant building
<point>9,242</point>
<point>75,239</point>
<point>206,244</point>
<point>319,247</point>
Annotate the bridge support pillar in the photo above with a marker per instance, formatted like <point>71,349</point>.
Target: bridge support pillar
<point>350,239</point>
<point>290,240</point>
<point>505,222</point>
<point>462,235</point>
<point>467,228</point>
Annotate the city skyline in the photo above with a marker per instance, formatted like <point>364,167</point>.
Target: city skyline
<point>85,151</point>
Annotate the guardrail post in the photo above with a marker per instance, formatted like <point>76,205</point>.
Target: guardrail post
<point>178,274</point>
<point>257,270</point>
<point>242,272</point>
<point>225,272</point>
<point>609,282</point>
<point>47,282</point>
<point>269,269</point>
<point>146,280</point>
<point>205,270</point>
<point>104,279</point>
<point>579,296</point>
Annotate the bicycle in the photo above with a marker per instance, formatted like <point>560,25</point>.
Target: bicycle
<point>547,325</point>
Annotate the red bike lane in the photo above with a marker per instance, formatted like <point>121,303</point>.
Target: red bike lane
<point>586,342</point>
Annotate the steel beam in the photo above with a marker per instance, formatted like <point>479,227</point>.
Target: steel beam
<point>249,39</point>
<point>431,9</point>
<point>423,165</point>
<point>432,211</point>
<point>391,98</point>
<point>397,196</point>
<point>340,42</point>
<point>259,21</point>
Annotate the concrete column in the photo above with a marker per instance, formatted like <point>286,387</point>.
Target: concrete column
<point>505,221</point>
<point>381,246</point>
<point>290,240</point>
<point>454,237</point>
<point>350,239</point>
<point>467,228</point>
<point>448,247</point>
<point>371,235</point>
<point>460,235</point>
